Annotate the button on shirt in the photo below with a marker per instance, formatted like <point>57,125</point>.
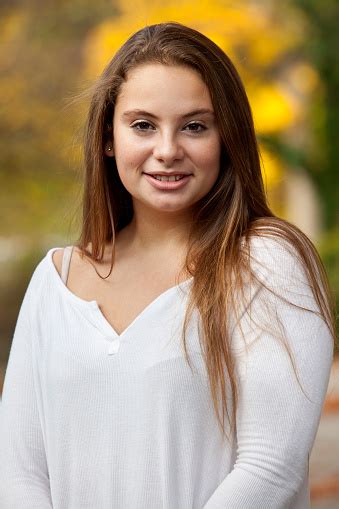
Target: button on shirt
<point>113,346</point>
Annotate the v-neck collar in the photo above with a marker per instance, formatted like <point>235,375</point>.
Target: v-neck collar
<point>146,311</point>
<point>92,306</point>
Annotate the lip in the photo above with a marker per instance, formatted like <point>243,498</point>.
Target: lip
<point>167,186</point>
<point>167,173</point>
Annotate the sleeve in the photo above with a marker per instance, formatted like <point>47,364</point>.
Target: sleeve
<point>276,421</point>
<point>24,481</point>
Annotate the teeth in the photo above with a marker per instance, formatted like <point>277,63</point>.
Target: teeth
<point>171,178</point>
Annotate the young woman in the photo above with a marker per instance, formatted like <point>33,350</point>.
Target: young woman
<point>178,355</point>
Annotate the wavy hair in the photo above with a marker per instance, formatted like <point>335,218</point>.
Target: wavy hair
<point>224,220</point>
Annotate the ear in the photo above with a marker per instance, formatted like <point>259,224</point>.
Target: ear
<point>109,151</point>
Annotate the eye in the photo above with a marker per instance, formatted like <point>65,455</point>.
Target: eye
<point>196,124</point>
<point>142,126</point>
<point>141,123</point>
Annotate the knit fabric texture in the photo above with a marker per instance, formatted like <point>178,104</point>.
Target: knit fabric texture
<point>93,419</point>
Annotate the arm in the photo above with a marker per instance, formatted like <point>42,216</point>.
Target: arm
<point>276,423</point>
<point>24,481</point>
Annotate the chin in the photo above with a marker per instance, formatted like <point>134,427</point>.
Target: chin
<point>171,208</point>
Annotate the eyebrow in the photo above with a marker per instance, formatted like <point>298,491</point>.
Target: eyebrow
<point>199,111</point>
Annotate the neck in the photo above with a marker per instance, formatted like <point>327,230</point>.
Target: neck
<point>151,229</point>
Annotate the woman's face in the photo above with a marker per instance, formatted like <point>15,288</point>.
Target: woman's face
<point>167,137</point>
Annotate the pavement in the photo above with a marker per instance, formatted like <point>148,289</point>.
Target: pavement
<point>324,460</point>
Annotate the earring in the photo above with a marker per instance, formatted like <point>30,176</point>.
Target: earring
<point>109,148</point>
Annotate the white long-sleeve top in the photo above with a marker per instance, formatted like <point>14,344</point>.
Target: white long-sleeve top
<point>92,419</point>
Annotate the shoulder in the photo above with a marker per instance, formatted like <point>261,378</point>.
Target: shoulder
<point>57,257</point>
<point>275,258</point>
<point>269,248</point>
<point>35,289</point>
<point>280,271</point>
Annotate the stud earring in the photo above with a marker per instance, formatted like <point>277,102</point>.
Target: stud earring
<point>109,148</point>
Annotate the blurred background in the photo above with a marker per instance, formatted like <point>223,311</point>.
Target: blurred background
<point>50,50</point>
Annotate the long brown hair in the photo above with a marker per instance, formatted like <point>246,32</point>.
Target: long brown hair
<point>232,212</point>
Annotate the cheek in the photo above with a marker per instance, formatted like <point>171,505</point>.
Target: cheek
<point>126,162</point>
<point>209,158</point>
<point>129,154</point>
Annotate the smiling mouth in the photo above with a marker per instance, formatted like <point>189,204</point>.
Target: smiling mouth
<point>168,178</point>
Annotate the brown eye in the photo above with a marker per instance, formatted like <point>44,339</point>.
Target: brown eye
<point>140,126</point>
<point>196,124</point>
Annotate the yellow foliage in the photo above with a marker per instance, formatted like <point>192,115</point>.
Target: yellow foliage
<point>304,78</point>
<point>272,110</point>
<point>230,26</point>
<point>12,26</point>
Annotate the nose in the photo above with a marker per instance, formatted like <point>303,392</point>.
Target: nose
<point>167,149</point>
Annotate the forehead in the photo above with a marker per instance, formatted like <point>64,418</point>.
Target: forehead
<point>160,85</point>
